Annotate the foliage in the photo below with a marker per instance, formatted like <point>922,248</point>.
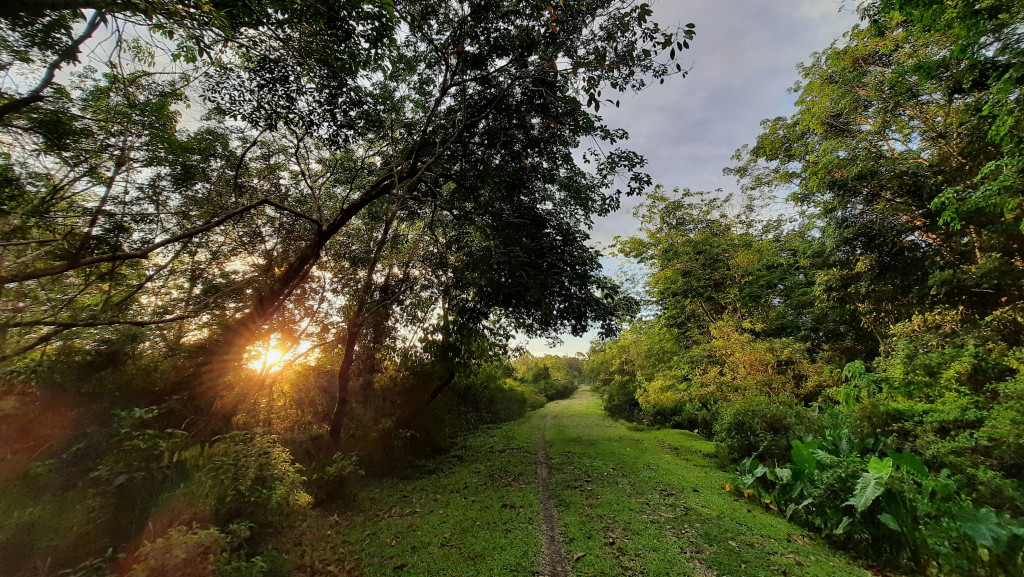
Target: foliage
<point>617,368</point>
<point>894,506</point>
<point>318,124</point>
<point>763,427</point>
<point>551,377</point>
<point>246,476</point>
<point>329,480</point>
<point>185,551</point>
<point>887,300</point>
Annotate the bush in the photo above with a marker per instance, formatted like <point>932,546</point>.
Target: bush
<point>139,468</point>
<point>695,417</point>
<point>619,396</point>
<point>534,400</point>
<point>331,479</point>
<point>554,389</point>
<point>247,476</point>
<point>761,427</point>
<point>182,552</point>
<point>887,505</point>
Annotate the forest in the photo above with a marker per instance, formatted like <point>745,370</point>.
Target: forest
<point>264,265</point>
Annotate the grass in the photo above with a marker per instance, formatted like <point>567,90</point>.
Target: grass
<point>646,503</point>
<point>474,514</point>
<point>653,503</point>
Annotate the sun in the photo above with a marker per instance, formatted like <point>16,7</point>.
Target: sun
<point>265,358</point>
<point>275,353</point>
<point>272,357</point>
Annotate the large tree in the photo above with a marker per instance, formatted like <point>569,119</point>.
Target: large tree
<point>314,159</point>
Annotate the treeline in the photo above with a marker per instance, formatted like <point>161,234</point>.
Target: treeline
<point>547,378</point>
<point>250,248</point>
<point>858,352</point>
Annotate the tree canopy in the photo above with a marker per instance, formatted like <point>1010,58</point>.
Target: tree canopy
<point>308,122</point>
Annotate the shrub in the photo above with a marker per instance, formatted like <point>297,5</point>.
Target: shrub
<point>695,417</point>
<point>620,398</point>
<point>534,400</point>
<point>762,427</point>
<point>888,505</point>
<point>555,389</point>
<point>182,552</point>
<point>248,476</point>
<point>139,467</point>
<point>331,479</point>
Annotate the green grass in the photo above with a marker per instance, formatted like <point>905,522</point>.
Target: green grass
<point>646,503</point>
<point>474,514</point>
<point>653,503</point>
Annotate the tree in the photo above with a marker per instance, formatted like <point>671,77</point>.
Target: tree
<point>131,254</point>
<point>478,115</point>
<point>906,146</point>
<point>717,259</point>
<point>411,119</point>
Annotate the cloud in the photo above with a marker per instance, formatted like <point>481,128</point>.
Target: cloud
<point>743,62</point>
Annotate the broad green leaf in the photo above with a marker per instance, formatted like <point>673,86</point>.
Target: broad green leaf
<point>824,458</point>
<point>880,467</point>
<point>842,526</point>
<point>803,455</point>
<point>910,463</point>
<point>784,475</point>
<point>985,527</point>
<point>869,487</point>
<point>890,522</point>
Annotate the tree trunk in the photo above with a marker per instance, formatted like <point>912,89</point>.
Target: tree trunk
<point>355,330</point>
<point>436,392</point>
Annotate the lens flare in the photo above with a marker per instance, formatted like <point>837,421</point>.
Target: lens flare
<point>265,358</point>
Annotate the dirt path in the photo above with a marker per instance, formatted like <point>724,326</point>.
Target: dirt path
<point>553,560</point>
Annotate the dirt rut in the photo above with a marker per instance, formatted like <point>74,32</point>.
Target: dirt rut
<point>554,562</point>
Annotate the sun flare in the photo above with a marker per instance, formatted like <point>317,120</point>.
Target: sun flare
<point>266,359</point>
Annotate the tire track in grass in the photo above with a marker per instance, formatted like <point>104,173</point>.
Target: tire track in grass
<point>553,560</point>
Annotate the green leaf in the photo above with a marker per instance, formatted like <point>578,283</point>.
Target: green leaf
<point>987,528</point>
<point>760,471</point>
<point>890,522</point>
<point>803,455</point>
<point>910,463</point>
<point>880,467</point>
<point>869,487</point>
<point>842,526</point>
<point>784,475</point>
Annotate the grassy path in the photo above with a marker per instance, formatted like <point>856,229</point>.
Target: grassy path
<point>625,502</point>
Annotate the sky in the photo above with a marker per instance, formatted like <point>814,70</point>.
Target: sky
<point>742,64</point>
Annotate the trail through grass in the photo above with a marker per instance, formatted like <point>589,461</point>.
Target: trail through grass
<point>644,503</point>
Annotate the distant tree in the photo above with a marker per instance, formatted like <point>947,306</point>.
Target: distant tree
<point>720,259</point>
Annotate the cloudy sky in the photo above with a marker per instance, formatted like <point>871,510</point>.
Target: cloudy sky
<point>743,61</point>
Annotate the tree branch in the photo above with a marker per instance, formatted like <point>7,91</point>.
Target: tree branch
<point>67,55</point>
<point>67,325</point>
<point>144,252</point>
<point>42,340</point>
